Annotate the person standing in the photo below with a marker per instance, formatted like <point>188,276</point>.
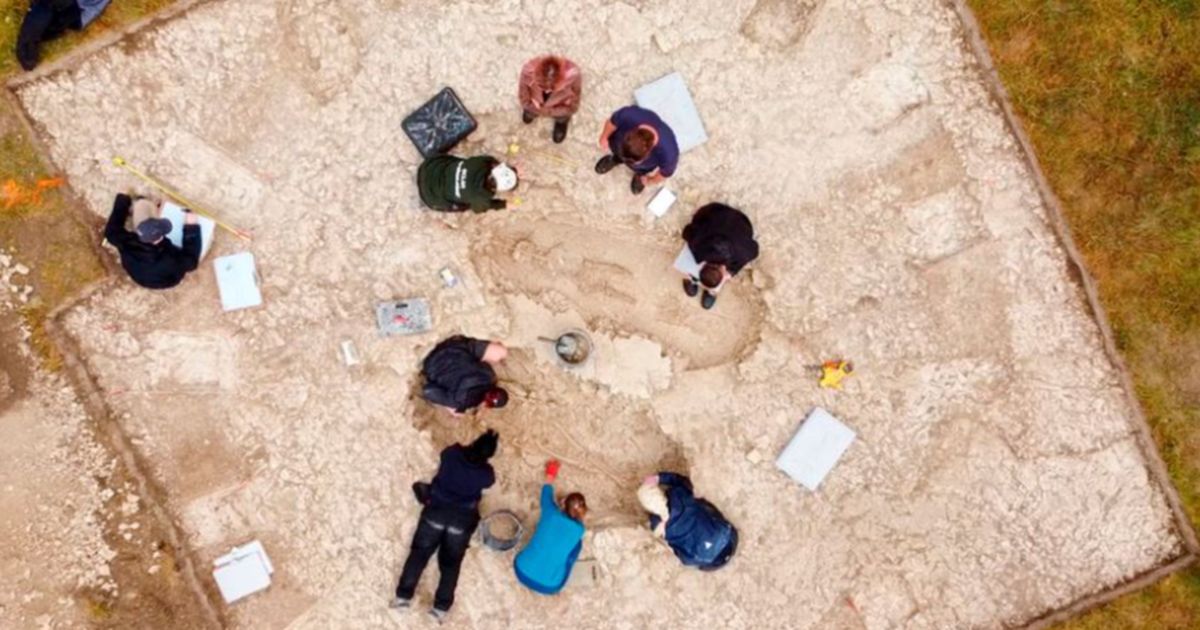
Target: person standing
<point>147,256</point>
<point>721,239</point>
<point>459,374</point>
<point>639,139</point>
<point>695,529</point>
<point>448,518</point>
<point>550,87</point>
<point>545,564</point>
<point>452,184</point>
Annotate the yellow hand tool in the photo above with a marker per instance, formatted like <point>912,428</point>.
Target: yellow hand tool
<point>120,161</point>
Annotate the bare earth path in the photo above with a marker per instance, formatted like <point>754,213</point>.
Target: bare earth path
<point>996,476</point>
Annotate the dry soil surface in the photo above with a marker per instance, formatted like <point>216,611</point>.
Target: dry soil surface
<point>996,475</point>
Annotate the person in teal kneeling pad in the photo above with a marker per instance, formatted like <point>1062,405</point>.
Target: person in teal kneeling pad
<point>546,562</point>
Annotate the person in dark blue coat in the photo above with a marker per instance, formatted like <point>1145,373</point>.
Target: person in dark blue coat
<point>695,529</point>
<point>450,516</point>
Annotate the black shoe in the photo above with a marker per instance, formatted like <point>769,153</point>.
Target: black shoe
<point>708,300</point>
<point>636,185</point>
<point>690,287</point>
<point>560,131</point>
<point>606,164</point>
<point>527,117</point>
<point>421,492</point>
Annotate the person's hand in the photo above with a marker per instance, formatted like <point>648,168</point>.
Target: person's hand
<point>651,480</point>
<point>190,218</point>
<point>552,467</point>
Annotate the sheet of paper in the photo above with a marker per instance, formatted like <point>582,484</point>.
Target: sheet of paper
<point>243,571</point>
<point>661,202</point>
<point>686,263</point>
<point>237,281</point>
<point>174,212</point>
<point>670,99</point>
<point>815,448</point>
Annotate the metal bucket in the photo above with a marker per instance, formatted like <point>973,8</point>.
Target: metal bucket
<point>573,348</point>
<point>504,521</point>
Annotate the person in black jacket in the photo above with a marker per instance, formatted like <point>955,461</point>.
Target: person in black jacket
<point>48,19</point>
<point>459,375</point>
<point>449,517</point>
<point>695,529</point>
<point>722,240</point>
<point>150,259</point>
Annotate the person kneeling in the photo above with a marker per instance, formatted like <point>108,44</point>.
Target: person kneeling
<point>148,257</point>
<point>459,375</point>
<point>695,529</point>
<point>545,564</point>
<point>453,184</point>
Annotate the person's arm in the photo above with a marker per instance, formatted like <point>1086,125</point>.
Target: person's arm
<point>744,258</point>
<point>192,243</point>
<point>566,95</point>
<point>609,128</point>
<point>114,230</point>
<point>547,498</point>
<point>477,347</point>
<point>653,177</point>
<point>530,98</point>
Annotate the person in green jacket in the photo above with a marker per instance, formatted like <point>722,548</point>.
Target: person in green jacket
<point>453,184</point>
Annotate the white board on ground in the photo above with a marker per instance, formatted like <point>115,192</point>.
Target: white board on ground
<point>815,449</point>
<point>661,202</point>
<point>686,263</point>
<point>244,571</point>
<point>670,99</point>
<point>176,215</point>
<point>237,281</point>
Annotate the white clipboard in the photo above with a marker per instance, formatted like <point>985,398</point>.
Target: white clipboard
<point>175,214</point>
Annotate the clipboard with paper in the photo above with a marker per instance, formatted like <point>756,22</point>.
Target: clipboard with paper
<point>686,263</point>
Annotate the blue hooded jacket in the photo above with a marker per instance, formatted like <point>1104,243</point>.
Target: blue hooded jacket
<point>696,530</point>
<point>546,562</point>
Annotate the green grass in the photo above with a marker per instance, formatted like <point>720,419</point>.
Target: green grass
<point>44,233</point>
<point>118,13</point>
<point>1110,93</point>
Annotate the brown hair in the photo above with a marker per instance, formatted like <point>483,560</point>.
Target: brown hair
<point>573,502</point>
<point>636,145</point>
<point>548,72</point>
<point>711,275</point>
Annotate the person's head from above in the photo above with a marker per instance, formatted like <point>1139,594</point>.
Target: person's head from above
<point>637,144</point>
<point>575,506</point>
<point>502,178</point>
<point>712,275</point>
<point>483,448</point>
<point>143,209</point>
<point>549,69</point>
<point>495,398</point>
<point>495,352</point>
<point>153,230</point>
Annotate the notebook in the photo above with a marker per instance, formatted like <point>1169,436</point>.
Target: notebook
<point>175,214</point>
<point>237,280</point>
<point>815,449</point>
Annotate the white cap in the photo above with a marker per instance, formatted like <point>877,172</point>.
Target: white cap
<point>505,176</point>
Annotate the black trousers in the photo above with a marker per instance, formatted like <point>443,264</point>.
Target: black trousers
<point>447,531</point>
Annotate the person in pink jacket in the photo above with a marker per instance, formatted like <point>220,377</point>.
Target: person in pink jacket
<point>549,87</point>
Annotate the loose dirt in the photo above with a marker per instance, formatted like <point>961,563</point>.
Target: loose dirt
<point>996,475</point>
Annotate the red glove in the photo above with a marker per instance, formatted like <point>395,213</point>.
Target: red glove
<point>552,467</point>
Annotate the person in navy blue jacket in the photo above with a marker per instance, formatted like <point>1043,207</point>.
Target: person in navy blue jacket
<point>695,529</point>
<point>449,517</point>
